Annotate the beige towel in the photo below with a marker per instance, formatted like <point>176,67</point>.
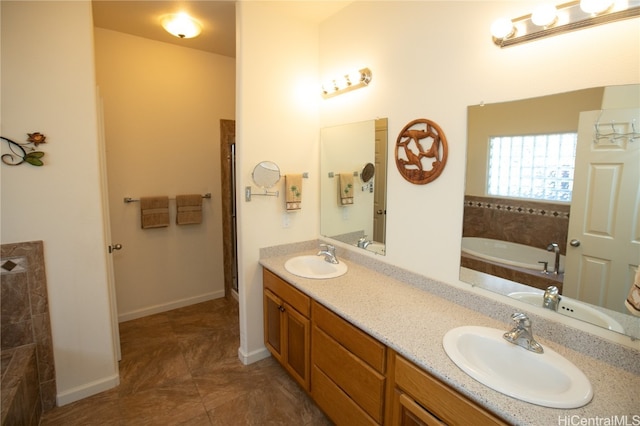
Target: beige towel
<point>345,186</point>
<point>188,209</point>
<point>293,189</point>
<point>154,212</point>
<point>633,299</point>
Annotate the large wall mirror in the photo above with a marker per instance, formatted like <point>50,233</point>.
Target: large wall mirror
<point>575,224</point>
<point>353,184</point>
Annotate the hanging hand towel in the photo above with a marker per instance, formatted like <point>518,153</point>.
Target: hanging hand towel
<point>345,186</point>
<point>154,212</point>
<point>633,299</point>
<point>188,209</point>
<point>293,188</point>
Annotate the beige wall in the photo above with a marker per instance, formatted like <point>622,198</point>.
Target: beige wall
<point>162,110</point>
<point>277,120</point>
<point>48,85</point>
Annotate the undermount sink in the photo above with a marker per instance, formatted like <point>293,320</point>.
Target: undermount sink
<point>314,267</point>
<point>574,309</point>
<point>546,379</point>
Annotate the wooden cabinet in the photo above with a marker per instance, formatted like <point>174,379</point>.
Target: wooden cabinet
<point>287,326</point>
<point>355,379</point>
<point>348,370</point>
<point>420,399</point>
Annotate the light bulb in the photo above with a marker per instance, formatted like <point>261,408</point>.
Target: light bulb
<point>595,7</point>
<point>181,25</point>
<point>502,28</point>
<point>544,15</point>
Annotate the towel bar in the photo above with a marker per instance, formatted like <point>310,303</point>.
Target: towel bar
<point>135,200</point>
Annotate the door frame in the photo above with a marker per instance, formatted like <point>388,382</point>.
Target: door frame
<point>229,237</point>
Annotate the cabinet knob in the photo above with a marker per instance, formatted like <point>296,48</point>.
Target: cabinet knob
<point>281,308</point>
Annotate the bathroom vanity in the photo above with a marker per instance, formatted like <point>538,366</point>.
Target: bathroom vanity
<point>354,378</point>
<point>367,347</point>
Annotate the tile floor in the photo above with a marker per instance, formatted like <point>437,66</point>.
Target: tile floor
<point>181,368</point>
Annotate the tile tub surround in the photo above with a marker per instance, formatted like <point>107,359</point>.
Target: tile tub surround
<point>411,313</point>
<point>514,220</point>
<point>25,310</point>
<point>21,403</point>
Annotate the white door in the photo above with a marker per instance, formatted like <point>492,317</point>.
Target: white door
<point>603,251</point>
<point>112,248</point>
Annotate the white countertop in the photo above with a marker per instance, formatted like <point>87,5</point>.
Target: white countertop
<point>413,321</point>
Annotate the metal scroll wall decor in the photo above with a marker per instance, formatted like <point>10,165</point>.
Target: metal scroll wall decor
<point>24,152</point>
<point>415,163</point>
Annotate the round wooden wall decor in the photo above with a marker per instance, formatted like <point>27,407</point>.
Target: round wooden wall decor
<point>415,163</point>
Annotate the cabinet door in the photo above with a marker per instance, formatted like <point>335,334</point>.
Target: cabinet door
<point>297,336</point>
<point>273,325</point>
<point>407,412</point>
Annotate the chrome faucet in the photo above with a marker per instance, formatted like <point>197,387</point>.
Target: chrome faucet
<point>554,248</point>
<point>329,253</point>
<point>551,298</point>
<point>363,242</point>
<point>521,334</point>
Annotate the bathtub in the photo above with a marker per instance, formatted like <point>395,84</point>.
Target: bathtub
<point>511,254</point>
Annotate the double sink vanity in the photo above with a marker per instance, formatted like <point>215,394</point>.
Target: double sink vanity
<point>374,344</point>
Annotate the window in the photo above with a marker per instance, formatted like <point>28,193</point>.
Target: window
<point>538,167</point>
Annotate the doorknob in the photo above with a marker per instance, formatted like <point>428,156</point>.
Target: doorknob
<point>115,247</point>
<point>574,243</point>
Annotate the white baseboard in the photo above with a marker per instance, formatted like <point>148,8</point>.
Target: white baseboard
<point>87,390</point>
<point>156,309</point>
<point>255,356</point>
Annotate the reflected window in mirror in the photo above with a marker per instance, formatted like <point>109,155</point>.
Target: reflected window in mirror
<point>538,167</point>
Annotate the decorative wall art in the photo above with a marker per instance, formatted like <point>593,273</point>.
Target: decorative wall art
<point>415,163</point>
<point>24,152</point>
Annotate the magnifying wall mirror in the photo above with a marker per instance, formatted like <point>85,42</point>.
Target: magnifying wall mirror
<point>266,174</point>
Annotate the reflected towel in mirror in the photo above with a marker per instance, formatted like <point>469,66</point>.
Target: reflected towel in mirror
<point>154,212</point>
<point>633,299</point>
<point>188,209</point>
<point>345,188</point>
<point>293,190</point>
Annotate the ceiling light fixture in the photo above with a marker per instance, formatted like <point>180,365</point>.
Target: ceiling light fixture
<point>181,25</point>
<point>544,15</point>
<point>595,7</point>
<point>548,20</point>
<point>346,83</point>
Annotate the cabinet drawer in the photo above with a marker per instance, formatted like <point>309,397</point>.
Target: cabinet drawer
<point>335,403</point>
<point>361,344</point>
<point>294,297</point>
<point>357,379</point>
<point>444,402</point>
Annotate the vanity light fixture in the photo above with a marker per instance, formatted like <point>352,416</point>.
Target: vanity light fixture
<point>181,25</point>
<point>548,20</point>
<point>347,83</point>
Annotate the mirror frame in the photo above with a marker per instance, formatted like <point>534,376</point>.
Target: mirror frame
<point>263,174</point>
